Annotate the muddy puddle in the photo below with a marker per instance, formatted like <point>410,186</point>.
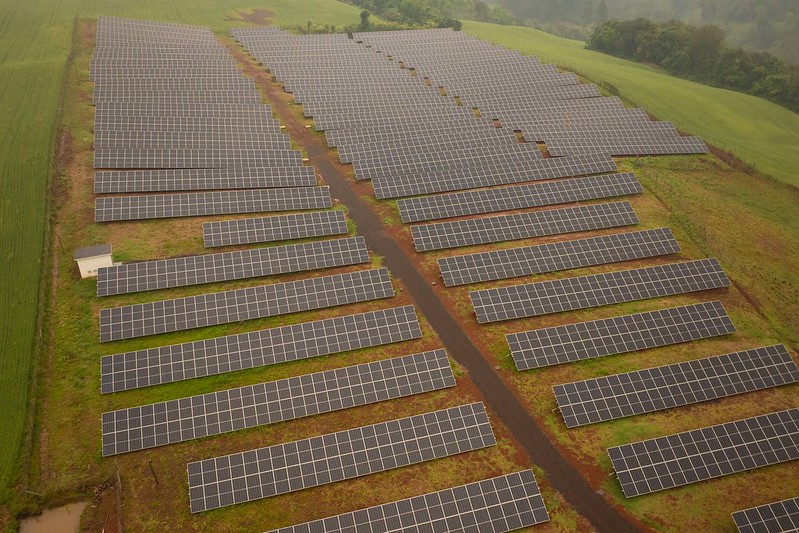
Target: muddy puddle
<point>64,519</point>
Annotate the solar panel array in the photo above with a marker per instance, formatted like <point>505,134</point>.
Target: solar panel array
<point>132,181</point>
<point>181,132</point>
<point>159,424</point>
<point>174,113</point>
<point>657,464</point>
<point>506,303</point>
<point>140,320</point>
<point>494,505</point>
<point>115,208</point>
<point>616,335</point>
<point>482,201</point>
<point>306,463</point>
<point>198,269</point>
<point>473,231</point>
<point>528,95</point>
<point>410,137</point>
<point>565,255</point>
<point>274,228</point>
<point>775,517</point>
<point>166,364</point>
<point>654,389</point>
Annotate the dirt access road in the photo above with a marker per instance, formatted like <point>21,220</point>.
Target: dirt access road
<point>561,474</point>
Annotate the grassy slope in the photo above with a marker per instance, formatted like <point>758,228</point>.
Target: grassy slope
<point>760,133</point>
<point>35,39</point>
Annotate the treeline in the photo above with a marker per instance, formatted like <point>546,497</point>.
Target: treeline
<point>700,54</point>
<point>761,25</point>
<point>432,13</point>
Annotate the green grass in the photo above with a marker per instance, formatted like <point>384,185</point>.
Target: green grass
<point>35,41</point>
<point>760,133</point>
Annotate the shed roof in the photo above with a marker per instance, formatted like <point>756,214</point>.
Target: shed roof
<point>92,251</point>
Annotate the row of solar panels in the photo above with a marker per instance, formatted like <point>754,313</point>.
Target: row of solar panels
<point>180,149</point>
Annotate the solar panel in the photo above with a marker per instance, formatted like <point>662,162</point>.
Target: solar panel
<point>466,178</point>
<point>276,228</point>
<point>140,320</point>
<point>158,424</point>
<point>488,230</point>
<point>185,109</point>
<point>193,158</point>
<point>165,364</point>
<point>184,123</point>
<point>654,389</point>
<point>116,181</point>
<point>506,303</point>
<point>775,517</point>
<point>347,454</point>
<point>551,257</point>
<point>210,268</point>
<point>416,161</point>
<point>616,335</point>
<point>117,208</point>
<point>495,505</point>
<point>565,146</point>
<point>683,458</point>
<point>478,202</point>
<point>244,140</point>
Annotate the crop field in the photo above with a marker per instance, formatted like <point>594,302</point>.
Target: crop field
<point>750,223</point>
<point>760,133</point>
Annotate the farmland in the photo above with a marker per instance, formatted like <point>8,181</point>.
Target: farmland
<point>700,198</point>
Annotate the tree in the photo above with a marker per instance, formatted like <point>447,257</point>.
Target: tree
<point>706,46</point>
<point>364,20</point>
<point>604,38</point>
<point>482,11</point>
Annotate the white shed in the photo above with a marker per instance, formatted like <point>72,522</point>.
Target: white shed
<point>94,257</point>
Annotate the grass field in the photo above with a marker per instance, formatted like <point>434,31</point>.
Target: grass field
<point>760,133</point>
<point>35,39</point>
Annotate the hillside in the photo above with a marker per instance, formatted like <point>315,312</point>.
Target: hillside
<point>760,133</point>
